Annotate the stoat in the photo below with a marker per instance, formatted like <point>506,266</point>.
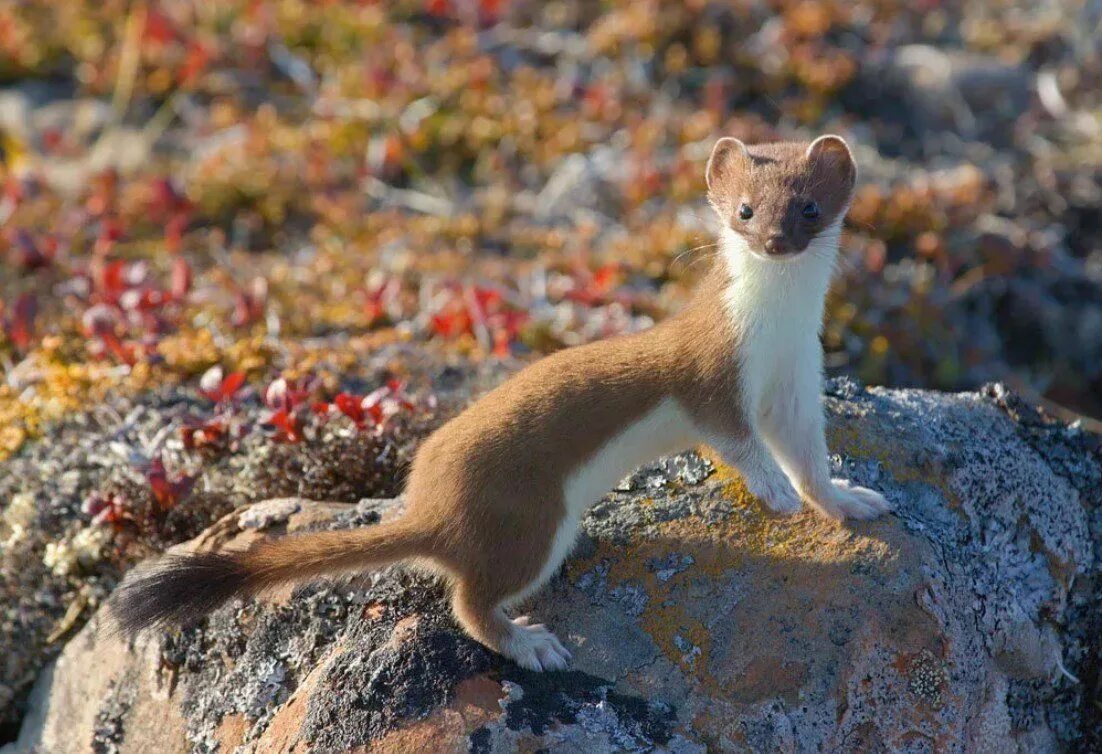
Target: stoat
<point>494,497</point>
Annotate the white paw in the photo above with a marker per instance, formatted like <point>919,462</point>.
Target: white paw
<point>533,647</point>
<point>846,500</point>
<point>776,492</point>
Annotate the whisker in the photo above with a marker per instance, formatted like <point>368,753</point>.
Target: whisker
<point>703,257</point>
<point>843,263</point>
<point>691,251</point>
<point>849,222</point>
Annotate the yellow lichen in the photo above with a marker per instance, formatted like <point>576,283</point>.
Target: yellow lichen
<point>748,535</point>
<point>861,440</point>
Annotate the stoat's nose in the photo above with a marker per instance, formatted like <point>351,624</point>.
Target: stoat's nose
<point>776,245</point>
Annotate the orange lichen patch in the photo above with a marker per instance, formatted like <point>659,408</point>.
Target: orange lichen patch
<point>231,731</point>
<point>715,729</point>
<point>282,733</point>
<point>475,703</point>
<point>753,530</point>
<point>683,639</point>
<point>374,611</point>
<point>480,692</point>
<point>803,549</point>
<point>444,732</point>
<point>768,675</point>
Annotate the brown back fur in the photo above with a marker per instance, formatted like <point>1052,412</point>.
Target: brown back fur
<point>485,493</point>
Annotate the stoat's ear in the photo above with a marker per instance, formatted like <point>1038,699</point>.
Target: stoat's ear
<point>727,155</point>
<point>832,153</point>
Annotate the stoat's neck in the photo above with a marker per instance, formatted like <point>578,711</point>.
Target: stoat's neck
<point>779,297</point>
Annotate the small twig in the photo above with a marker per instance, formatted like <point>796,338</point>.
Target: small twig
<point>160,120</point>
<point>1063,670</point>
<point>414,200</point>
<point>72,615</point>
<point>127,74</point>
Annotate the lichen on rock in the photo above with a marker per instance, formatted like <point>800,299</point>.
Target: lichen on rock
<point>698,621</point>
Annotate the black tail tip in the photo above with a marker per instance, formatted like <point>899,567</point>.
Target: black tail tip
<point>176,590</point>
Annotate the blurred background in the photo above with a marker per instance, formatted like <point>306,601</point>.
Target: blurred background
<point>189,183</point>
<point>231,228</point>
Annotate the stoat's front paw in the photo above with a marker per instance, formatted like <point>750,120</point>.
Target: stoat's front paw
<point>533,647</point>
<point>846,500</point>
<point>776,492</point>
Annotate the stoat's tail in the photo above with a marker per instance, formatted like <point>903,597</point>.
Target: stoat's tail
<point>179,588</point>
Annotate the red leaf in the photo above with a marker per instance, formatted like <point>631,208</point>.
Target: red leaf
<point>174,230</point>
<point>501,344</point>
<point>165,198</point>
<point>233,383</point>
<point>219,389</point>
<point>109,280</point>
<point>109,234</point>
<point>287,425</point>
<point>452,324</point>
<point>123,352</point>
<point>203,434</point>
<point>141,299</point>
<point>21,326</point>
<point>378,298</point>
<point>605,277</point>
<point>157,477</point>
<point>352,406</point>
<point>487,298</point>
<point>490,11</point>
<point>247,308</point>
<point>282,393</point>
<point>594,288</point>
<point>110,509</point>
<point>167,492</point>
<point>181,279</point>
<point>197,59</point>
<point>159,29</point>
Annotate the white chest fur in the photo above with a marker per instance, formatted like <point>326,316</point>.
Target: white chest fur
<point>665,429</point>
<point>777,308</point>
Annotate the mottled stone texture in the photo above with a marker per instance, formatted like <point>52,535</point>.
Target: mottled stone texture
<point>697,621</point>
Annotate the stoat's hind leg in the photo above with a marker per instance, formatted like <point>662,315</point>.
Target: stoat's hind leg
<point>531,646</point>
<point>493,575</point>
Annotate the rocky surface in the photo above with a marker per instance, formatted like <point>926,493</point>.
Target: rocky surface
<point>59,559</point>
<point>967,621</point>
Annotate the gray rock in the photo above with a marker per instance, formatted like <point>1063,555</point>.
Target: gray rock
<point>697,621</point>
<point>965,94</point>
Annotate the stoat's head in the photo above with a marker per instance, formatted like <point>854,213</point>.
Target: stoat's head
<point>779,198</point>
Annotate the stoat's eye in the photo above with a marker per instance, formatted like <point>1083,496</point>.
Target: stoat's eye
<point>745,212</point>
<point>811,211</point>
